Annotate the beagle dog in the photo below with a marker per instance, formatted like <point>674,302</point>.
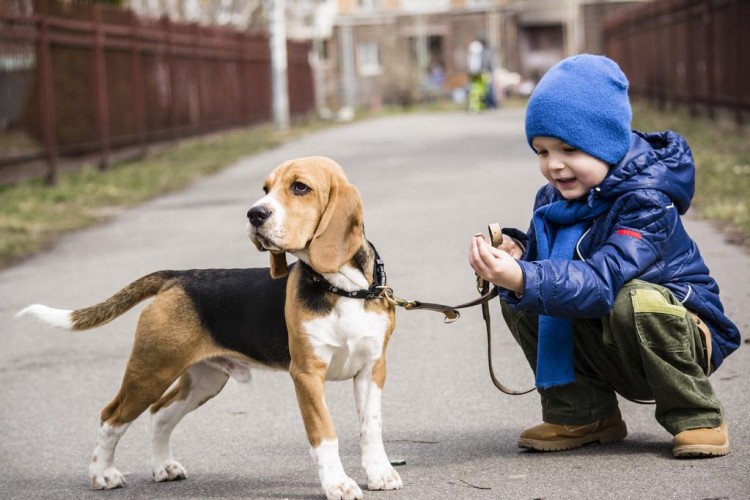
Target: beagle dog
<point>309,318</point>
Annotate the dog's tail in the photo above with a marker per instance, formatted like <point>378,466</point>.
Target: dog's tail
<point>104,312</point>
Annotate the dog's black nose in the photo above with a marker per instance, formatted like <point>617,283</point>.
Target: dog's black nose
<point>258,215</point>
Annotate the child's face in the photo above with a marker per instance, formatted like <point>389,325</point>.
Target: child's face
<point>569,170</point>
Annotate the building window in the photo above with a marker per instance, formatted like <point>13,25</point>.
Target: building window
<point>368,5</point>
<point>479,4</point>
<point>323,50</point>
<point>368,56</point>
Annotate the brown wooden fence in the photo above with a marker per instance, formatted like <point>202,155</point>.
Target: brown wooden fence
<point>79,79</point>
<point>693,53</point>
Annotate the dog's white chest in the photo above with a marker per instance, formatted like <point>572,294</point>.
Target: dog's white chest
<point>349,338</point>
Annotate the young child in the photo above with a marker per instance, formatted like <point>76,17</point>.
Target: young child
<point>607,293</point>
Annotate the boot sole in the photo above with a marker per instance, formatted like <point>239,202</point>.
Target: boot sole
<point>700,450</point>
<point>611,435</point>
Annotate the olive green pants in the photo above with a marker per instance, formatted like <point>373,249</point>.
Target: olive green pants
<point>647,348</point>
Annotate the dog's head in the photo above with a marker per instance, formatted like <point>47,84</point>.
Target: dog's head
<point>311,211</point>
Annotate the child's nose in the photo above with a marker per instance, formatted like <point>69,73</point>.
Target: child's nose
<point>556,163</point>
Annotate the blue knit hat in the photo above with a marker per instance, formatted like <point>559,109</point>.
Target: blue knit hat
<point>583,101</point>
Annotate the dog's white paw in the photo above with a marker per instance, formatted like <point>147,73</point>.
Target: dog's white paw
<point>343,489</point>
<point>171,470</point>
<point>383,477</point>
<point>106,479</point>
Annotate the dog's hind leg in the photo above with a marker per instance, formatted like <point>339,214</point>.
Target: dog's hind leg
<point>166,342</point>
<point>103,474</point>
<point>200,383</point>
<point>141,387</point>
<point>136,394</point>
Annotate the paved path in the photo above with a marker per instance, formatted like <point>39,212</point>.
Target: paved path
<point>428,182</point>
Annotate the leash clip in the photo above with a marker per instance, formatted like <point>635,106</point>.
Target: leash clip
<point>386,293</point>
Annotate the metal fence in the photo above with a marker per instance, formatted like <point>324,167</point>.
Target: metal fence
<point>693,53</point>
<point>78,79</point>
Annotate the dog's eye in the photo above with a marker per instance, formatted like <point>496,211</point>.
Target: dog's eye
<point>300,188</point>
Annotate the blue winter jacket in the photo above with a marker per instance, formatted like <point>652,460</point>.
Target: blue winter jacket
<point>641,237</point>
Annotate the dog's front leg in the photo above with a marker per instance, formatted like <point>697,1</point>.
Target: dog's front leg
<point>368,389</point>
<point>324,446</point>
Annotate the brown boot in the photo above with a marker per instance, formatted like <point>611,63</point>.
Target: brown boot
<point>705,442</point>
<point>555,437</point>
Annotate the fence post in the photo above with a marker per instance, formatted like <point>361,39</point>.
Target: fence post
<point>708,23</point>
<point>46,95</point>
<point>657,69</point>
<point>174,120</point>
<point>279,64</point>
<point>139,102</point>
<point>691,71</point>
<point>739,65</point>
<point>244,82</point>
<point>100,81</point>
<point>197,51</point>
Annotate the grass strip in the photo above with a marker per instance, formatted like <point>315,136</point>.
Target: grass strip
<point>33,215</point>
<point>722,161</point>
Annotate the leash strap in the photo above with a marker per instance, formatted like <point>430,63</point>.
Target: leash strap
<point>451,312</point>
<point>488,327</point>
<point>486,294</point>
<point>496,239</point>
<point>379,290</point>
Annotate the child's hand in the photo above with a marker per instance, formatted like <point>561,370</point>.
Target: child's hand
<point>496,265</point>
<point>509,245</point>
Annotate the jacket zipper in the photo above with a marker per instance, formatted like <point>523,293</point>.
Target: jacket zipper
<point>578,243</point>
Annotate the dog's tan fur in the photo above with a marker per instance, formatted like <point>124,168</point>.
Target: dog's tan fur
<point>168,340</point>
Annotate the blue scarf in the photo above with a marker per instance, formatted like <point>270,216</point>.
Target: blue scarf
<point>558,227</point>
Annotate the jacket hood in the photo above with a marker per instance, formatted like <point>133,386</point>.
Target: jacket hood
<point>658,160</point>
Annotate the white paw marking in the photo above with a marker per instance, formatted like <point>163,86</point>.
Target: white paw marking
<point>383,477</point>
<point>170,470</point>
<point>107,479</point>
<point>344,488</point>
<point>334,481</point>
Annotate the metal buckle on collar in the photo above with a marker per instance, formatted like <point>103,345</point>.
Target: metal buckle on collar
<point>387,293</point>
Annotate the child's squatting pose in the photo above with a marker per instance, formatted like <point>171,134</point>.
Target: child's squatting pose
<point>606,293</point>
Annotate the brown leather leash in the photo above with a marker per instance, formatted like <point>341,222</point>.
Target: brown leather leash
<point>452,312</point>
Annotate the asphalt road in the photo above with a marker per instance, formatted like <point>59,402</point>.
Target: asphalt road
<point>428,183</point>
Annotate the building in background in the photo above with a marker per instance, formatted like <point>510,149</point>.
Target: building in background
<point>403,51</point>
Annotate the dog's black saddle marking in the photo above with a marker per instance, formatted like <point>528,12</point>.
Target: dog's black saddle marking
<point>243,309</point>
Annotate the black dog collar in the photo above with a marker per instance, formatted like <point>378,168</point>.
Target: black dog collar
<point>375,291</point>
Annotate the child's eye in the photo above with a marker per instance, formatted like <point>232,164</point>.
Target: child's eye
<point>570,149</point>
<point>541,152</point>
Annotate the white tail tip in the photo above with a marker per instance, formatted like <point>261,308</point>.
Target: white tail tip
<point>59,318</point>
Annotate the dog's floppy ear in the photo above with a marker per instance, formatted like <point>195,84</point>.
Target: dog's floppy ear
<point>279,269</point>
<point>339,233</point>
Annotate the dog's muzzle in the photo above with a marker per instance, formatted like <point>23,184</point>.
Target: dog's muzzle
<point>258,215</point>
